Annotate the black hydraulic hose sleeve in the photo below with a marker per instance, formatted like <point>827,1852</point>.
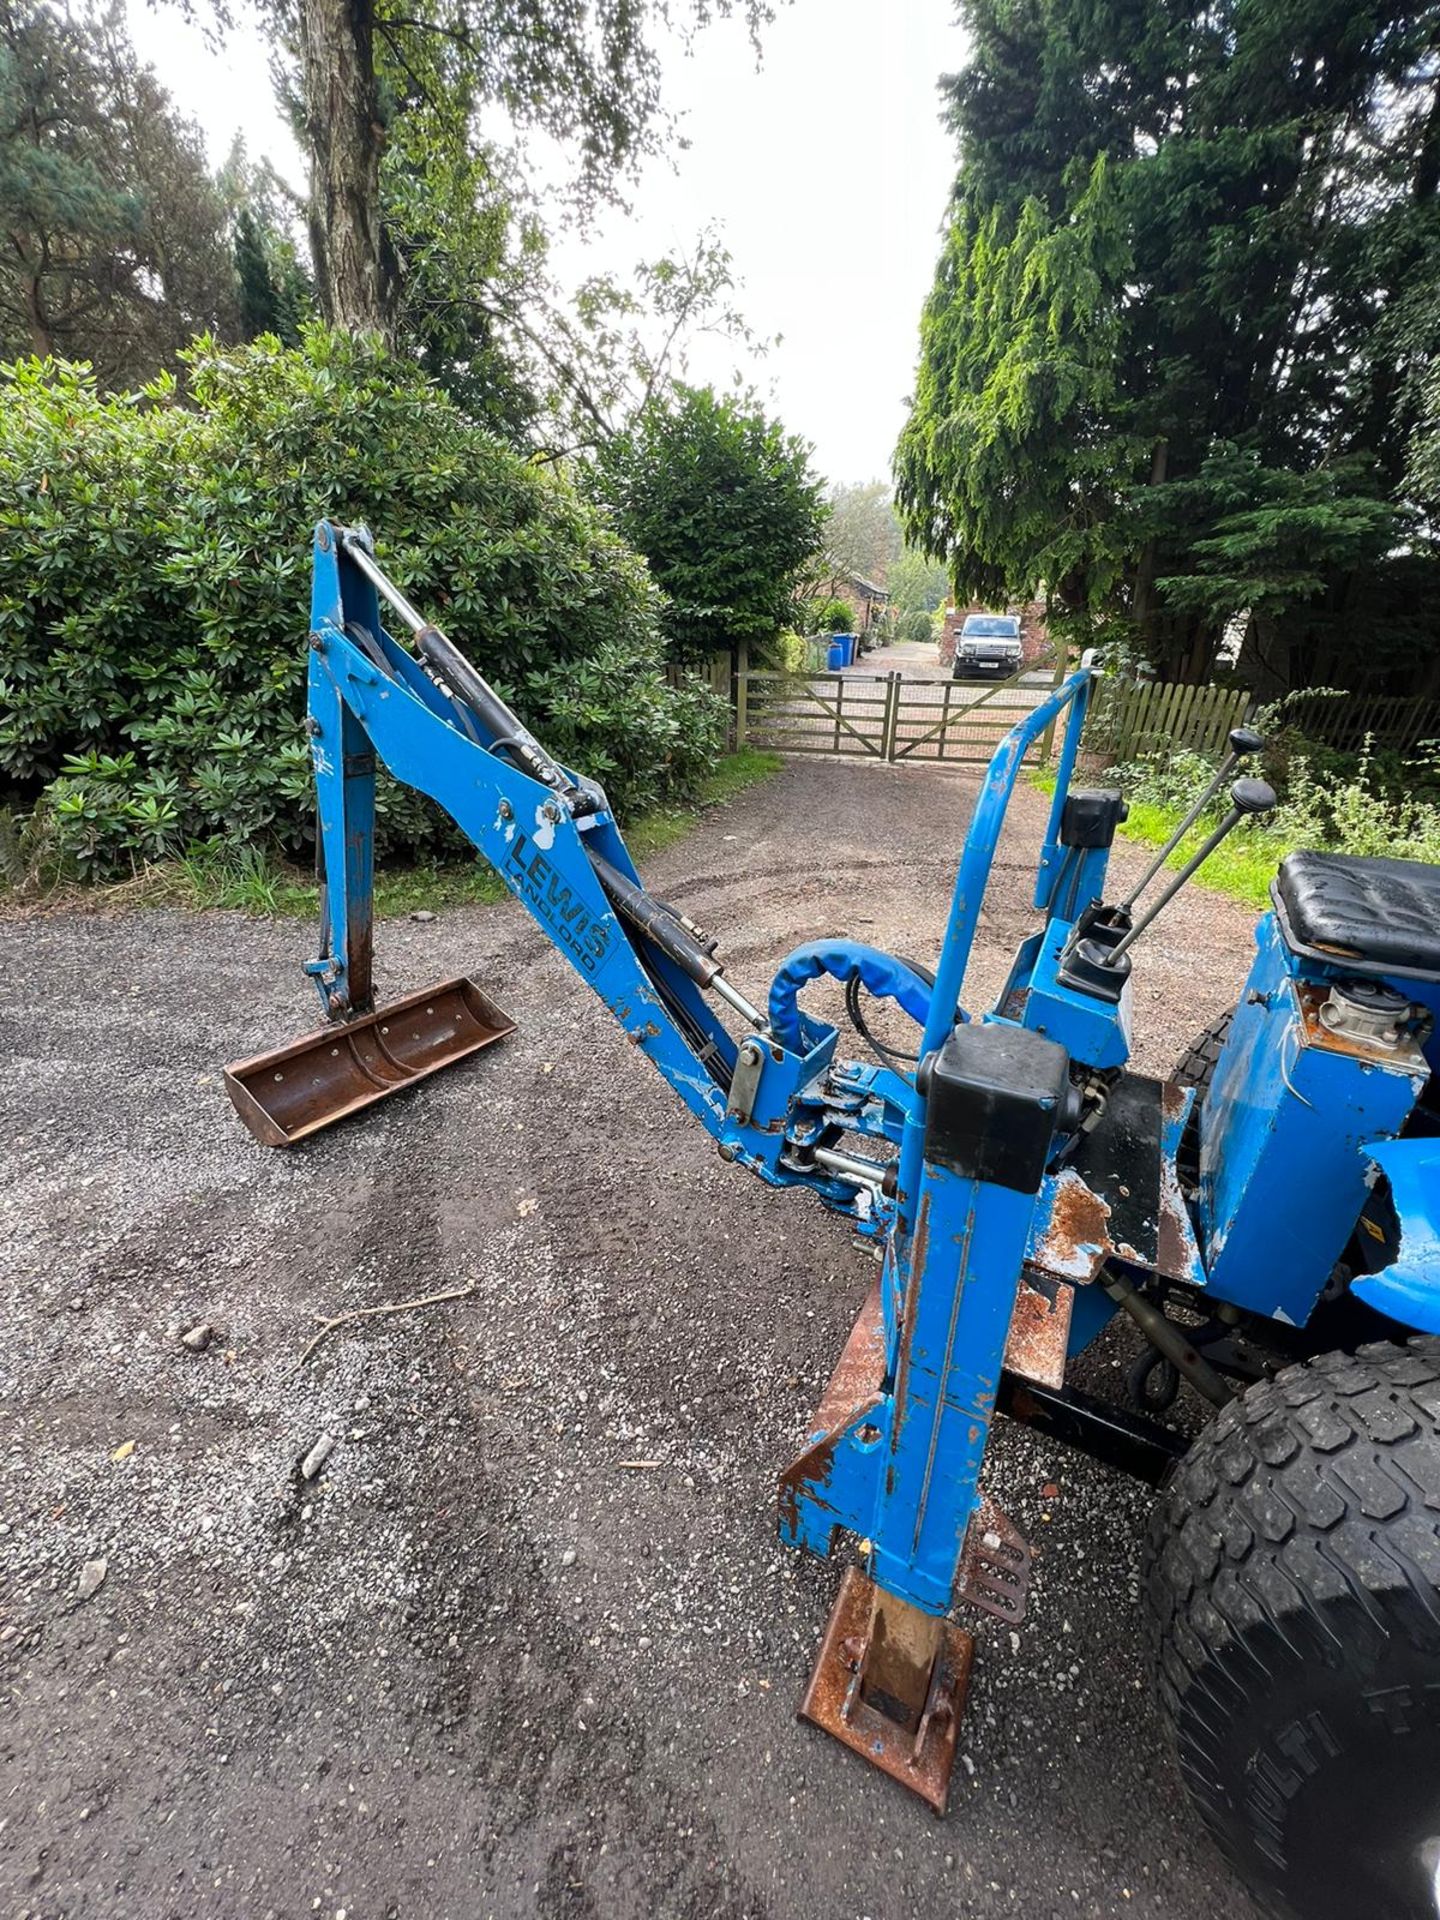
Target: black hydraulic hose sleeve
<point>654,920</point>
<point>487,706</point>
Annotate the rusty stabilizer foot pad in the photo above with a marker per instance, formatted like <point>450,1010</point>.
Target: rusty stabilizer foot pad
<point>921,1760</point>
<point>291,1093</point>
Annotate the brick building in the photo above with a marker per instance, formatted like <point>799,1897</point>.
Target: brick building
<point>865,600</point>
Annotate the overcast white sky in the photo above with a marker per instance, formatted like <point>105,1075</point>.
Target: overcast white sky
<point>826,170</point>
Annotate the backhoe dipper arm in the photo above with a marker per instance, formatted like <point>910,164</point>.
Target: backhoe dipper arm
<point>370,699</point>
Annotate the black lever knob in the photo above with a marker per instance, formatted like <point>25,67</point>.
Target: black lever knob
<point>1252,796</point>
<point>1245,740</point>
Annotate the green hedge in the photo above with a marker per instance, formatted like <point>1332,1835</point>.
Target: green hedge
<point>154,595</point>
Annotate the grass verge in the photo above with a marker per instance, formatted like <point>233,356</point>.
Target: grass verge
<point>245,880</point>
<point>1242,866</point>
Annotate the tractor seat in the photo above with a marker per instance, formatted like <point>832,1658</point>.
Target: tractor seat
<point>1369,916</point>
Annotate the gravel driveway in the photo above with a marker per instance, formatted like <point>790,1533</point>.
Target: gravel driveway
<point>478,1665</point>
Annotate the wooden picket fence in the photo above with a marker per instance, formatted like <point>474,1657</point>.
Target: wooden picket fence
<point>1134,721</point>
<point>714,673</point>
<point>1347,720</point>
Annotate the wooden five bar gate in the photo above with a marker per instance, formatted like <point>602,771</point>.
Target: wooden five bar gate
<point>880,716</point>
<point>897,717</point>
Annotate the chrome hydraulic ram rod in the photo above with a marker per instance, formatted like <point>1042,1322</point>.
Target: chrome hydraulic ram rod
<point>650,917</point>
<point>663,925</point>
<point>868,1173</point>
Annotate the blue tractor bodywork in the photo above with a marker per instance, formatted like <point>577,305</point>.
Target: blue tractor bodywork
<point>1023,1184</point>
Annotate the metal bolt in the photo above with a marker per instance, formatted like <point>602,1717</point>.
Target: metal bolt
<point>727,1150</point>
<point>317,642</point>
<point>312,726</point>
<point>550,811</point>
<point>507,812</point>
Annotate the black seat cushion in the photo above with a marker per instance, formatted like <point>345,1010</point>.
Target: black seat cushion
<point>1373,916</point>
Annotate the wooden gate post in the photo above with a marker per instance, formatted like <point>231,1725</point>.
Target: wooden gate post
<point>1047,739</point>
<point>742,669</point>
<point>890,722</point>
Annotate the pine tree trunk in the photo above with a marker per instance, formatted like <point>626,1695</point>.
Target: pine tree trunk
<point>42,341</point>
<point>346,137</point>
<point>1144,599</point>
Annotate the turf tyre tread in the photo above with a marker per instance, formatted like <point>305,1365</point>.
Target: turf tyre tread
<point>1294,1583</point>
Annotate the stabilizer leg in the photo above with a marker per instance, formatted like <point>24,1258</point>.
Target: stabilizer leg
<point>891,1677</point>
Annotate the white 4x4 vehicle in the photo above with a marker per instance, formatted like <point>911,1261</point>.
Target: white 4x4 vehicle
<point>988,643</point>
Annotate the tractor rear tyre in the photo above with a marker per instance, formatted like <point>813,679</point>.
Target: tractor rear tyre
<point>1194,1068</point>
<point>1197,1063</point>
<point>1294,1589</point>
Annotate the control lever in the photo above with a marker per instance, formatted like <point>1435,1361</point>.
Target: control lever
<point>1243,741</point>
<point>1246,797</point>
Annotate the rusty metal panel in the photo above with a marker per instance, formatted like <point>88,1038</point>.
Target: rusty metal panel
<point>1039,1335</point>
<point>995,1564</point>
<point>1119,1198</point>
<point>809,1501</point>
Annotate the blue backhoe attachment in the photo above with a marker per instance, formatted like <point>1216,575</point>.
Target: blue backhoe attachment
<point>1023,1184</point>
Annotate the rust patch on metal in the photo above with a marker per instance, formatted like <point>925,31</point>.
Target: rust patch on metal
<point>860,1368</point>
<point>1317,1034</point>
<point>1040,1330</point>
<point>853,1391</point>
<point>360,958</point>
<point>1176,1251</point>
<point>1076,1243</point>
<point>1175,1237</point>
<point>920,1757</point>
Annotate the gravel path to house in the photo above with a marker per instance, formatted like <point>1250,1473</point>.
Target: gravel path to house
<point>479,1666</point>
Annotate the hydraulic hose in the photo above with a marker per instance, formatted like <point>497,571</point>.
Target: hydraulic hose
<point>656,921</point>
<point>844,960</point>
<point>890,1056</point>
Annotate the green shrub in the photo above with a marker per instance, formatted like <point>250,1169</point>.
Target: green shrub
<point>1356,811</point>
<point>788,652</point>
<point>154,582</point>
<point>916,625</point>
<point>830,616</point>
<point>722,503</point>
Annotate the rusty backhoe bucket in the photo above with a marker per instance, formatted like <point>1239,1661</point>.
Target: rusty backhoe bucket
<point>291,1093</point>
